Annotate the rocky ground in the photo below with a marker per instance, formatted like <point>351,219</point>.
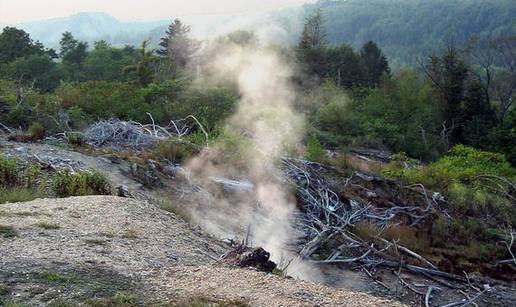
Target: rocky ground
<point>104,249</point>
<point>89,249</point>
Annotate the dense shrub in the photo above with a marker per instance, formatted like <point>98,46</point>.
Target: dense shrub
<point>36,131</point>
<point>19,194</point>
<point>75,138</point>
<point>462,164</point>
<point>171,99</point>
<point>8,172</point>
<point>174,151</point>
<point>315,151</point>
<point>66,183</point>
<point>402,113</point>
<point>475,182</point>
<point>19,183</point>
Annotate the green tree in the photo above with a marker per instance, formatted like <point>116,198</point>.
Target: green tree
<point>374,63</point>
<point>448,74</point>
<point>16,43</point>
<point>106,63</point>
<point>67,44</point>
<point>143,70</point>
<point>312,44</point>
<point>38,70</point>
<point>73,54</point>
<point>177,47</point>
<point>343,66</point>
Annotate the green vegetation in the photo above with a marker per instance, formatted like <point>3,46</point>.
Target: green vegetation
<point>66,183</point>
<point>120,299</point>
<point>175,151</point>
<point>8,172</point>
<point>48,226</point>
<point>408,30</point>
<point>20,183</point>
<point>450,119</point>
<point>315,151</point>
<point>8,231</point>
<point>54,278</point>
<point>75,138</point>
<point>167,205</point>
<point>478,187</point>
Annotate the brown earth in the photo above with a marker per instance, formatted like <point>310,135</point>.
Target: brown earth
<point>85,249</point>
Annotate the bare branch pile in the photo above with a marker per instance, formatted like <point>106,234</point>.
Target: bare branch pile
<point>119,134</point>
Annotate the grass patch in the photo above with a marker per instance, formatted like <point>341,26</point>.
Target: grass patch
<point>61,303</point>
<point>18,195</point>
<point>8,172</point>
<point>48,226</point>
<point>168,205</point>
<point>3,290</point>
<point>201,301</point>
<point>50,277</point>
<point>13,304</point>
<point>120,299</point>
<point>130,234</point>
<point>75,138</point>
<point>95,242</point>
<point>174,151</point>
<point>8,231</point>
<point>108,233</point>
<point>66,183</point>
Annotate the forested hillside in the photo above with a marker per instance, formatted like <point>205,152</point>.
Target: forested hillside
<point>406,29</point>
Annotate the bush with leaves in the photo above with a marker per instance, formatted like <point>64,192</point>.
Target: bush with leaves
<point>75,138</point>
<point>477,183</point>
<point>90,182</point>
<point>315,150</point>
<point>36,131</point>
<point>8,171</point>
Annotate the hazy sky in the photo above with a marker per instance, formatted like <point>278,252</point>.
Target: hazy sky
<point>13,11</point>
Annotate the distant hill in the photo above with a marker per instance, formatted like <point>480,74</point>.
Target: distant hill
<point>280,27</point>
<point>90,27</point>
<point>405,29</point>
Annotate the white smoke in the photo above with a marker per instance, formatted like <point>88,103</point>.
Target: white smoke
<point>265,123</point>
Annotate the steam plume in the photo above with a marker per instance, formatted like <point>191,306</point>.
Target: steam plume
<point>266,118</point>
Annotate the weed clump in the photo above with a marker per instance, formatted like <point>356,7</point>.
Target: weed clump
<point>66,183</point>
<point>174,151</point>
<point>315,150</point>
<point>48,226</point>
<point>8,231</point>
<point>76,138</point>
<point>36,131</point>
<point>8,172</point>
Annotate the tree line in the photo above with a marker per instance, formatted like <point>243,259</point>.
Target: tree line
<point>462,95</point>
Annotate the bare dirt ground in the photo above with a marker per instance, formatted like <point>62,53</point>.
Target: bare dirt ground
<point>102,246</point>
<point>83,249</point>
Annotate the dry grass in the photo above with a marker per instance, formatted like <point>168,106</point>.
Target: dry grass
<point>406,236</point>
<point>48,226</point>
<point>7,231</point>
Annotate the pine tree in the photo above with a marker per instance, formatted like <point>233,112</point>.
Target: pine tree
<point>374,63</point>
<point>177,46</point>
<point>313,36</point>
<point>143,69</point>
<point>311,49</point>
<point>67,43</point>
